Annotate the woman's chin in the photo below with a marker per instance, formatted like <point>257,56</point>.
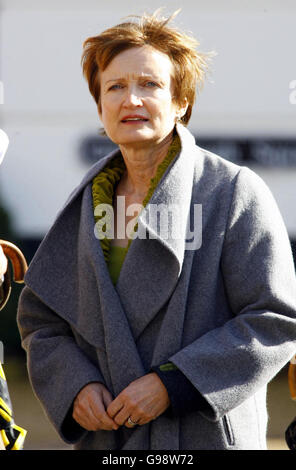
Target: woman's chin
<point>133,138</point>
<point>139,136</point>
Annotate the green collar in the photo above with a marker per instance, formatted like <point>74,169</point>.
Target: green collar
<point>103,185</point>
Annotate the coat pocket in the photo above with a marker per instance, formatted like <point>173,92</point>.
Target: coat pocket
<point>228,430</point>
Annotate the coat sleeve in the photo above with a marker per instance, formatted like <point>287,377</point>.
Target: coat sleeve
<point>231,363</point>
<point>58,369</point>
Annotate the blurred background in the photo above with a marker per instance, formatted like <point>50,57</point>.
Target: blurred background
<point>245,113</point>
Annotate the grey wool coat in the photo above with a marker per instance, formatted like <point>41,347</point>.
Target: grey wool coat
<point>223,313</point>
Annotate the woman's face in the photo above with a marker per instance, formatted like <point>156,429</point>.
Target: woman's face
<point>137,105</point>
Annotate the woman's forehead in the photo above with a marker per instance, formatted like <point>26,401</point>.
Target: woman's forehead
<point>138,62</point>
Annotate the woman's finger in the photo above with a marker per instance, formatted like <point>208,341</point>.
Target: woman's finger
<point>131,422</point>
<point>99,413</point>
<point>122,416</point>
<point>86,419</point>
<point>114,407</point>
<point>89,409</point>
<point>107,398</point>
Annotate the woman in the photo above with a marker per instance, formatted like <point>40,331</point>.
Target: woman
<point>147,339</point>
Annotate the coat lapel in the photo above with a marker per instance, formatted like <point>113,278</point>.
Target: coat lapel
<point>153,265</point>
<point>124,362</point>
<point>151,269</point>
<point>62,273</point>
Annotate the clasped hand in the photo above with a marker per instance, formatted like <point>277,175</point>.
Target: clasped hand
<point>142,400</point>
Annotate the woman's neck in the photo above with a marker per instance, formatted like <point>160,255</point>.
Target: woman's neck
<point>141,165</point>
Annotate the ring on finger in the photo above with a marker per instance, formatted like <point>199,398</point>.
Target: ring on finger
<point>131,422</point>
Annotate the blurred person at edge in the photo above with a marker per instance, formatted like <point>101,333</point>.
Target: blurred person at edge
<point>3,259</point>
<point>11,436</point>
<point>149,342</point>
<point>3,268</point>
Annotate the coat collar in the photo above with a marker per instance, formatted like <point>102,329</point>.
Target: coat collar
<point>77,287</point>
<point>153,265</point>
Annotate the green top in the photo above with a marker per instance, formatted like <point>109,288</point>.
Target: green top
<point>103,186</point>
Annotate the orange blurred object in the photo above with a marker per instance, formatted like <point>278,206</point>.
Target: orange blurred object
<point>19,266</point>
<point>292,377</point>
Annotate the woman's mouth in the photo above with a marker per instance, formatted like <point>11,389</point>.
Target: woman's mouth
<point>134,119</point>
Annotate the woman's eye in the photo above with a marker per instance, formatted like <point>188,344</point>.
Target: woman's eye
<point>151,84</point>
<point>117,86</point>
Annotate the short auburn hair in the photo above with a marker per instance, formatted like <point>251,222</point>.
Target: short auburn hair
<point>190,66</point>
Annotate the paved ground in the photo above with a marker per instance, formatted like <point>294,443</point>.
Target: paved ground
<point>41,434</point>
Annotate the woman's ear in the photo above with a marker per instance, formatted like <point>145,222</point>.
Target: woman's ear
<point>182,109</point>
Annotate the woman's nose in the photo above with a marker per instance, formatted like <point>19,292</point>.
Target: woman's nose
<point>133,97</point>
